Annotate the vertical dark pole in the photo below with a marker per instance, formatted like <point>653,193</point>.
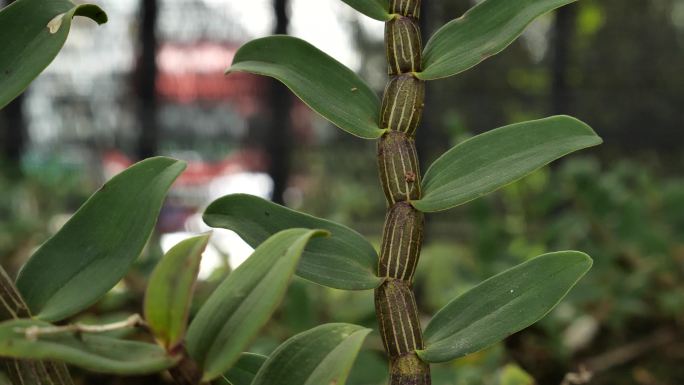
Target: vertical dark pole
<point>146,75</point>
<point>433,138</point>
<point>279,137</point>
<point>13,133</point>
<point>425,143</point>
<point>563,31</point>
<point>13,130</point>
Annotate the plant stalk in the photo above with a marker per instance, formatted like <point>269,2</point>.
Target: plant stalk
<point>402,239</point>
<point>187,372</point>
<point>34,332</point>
<point>26,372</point>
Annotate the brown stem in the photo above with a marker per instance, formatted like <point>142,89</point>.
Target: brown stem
<point>187,372</point>
<point>402,107</point>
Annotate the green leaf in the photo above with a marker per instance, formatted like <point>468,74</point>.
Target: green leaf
<point>496,158</point>
<point>344,261</point>
<point>244,370</point>
<point>324,84</point>
<point>91,352</point>
<point>31,34</point>
<point>483,31</point>
<point>322,355</point>
<point>376,9</point>
<point>96,247</point>
<point>170,289</point>
<point>502,305</point>
<point>244,302</point>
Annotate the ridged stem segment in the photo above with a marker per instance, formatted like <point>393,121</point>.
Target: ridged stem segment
<point>402,238</point>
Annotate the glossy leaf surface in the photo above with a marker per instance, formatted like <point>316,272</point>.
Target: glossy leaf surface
<point>31,34</point>
<point>376,9</point>
<point>496,158</point>
<point>96,247</point>
<point>502,305</point>
<point>244,302</point>
<point>170,290</point>
<point>485,30</point>
<point>88,351</point>
<point>322,355</point>
<point>324,84</point>
<point>345,260</point>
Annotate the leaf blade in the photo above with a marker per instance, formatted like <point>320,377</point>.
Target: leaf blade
<point>245,369</point>
<point>345,260</point>
<point>322,355</point>
<point>324,84</point>
<point>170,289</point>
<point>27,45</point>
<point>244,301</point>
<point>496,158</point>
<point>91,352</point>
<point>483,31</point>
<point>502,305</point>
<point>375,9</point>
<point>95,248</point>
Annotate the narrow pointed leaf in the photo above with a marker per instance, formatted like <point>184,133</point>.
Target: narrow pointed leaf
<point>485,30</point>
<point>244,370</point>
<point>244,302</point>
<point>170,289</point>
<point>31,34</point>
<point>324,84</point>
<point>96,247</point>
<point>376,9</point>
<point>91,352</point>
<point>502,305</point>
<point>345,260</point>
<point>323,355</point>
<point>496,158</point>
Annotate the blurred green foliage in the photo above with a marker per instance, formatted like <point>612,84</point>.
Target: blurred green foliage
<point>31,205</point>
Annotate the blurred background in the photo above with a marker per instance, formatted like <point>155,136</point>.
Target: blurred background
<point>150,82</point>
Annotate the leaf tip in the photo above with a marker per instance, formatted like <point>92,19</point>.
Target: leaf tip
<point>586,259</point>
<point>204,237</point>
<point>574,120</point>
<point>93,12</point>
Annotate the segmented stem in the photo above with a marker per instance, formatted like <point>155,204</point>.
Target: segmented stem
<point>402,238</point>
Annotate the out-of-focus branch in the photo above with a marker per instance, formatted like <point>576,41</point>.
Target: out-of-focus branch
<point>627,353</point>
